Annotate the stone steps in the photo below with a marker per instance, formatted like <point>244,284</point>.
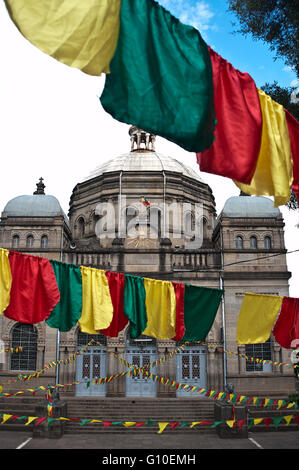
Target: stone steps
<point>137,410</point>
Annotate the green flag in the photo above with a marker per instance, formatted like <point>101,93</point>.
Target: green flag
<point>68,310</point>
<point>134,304</point>
<point>200,308</point>
<point>161,77</point>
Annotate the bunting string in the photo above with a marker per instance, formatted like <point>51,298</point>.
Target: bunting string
<point>232,423</point>
<point>36,374</point>
<point>12,350</point>
<point>152,364</point>
<point>211,394</point>
<point>248,358</point>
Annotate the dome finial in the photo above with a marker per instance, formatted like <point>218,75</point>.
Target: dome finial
<point>243,194</point>
<point>141,140</point>
<point>40,187</point>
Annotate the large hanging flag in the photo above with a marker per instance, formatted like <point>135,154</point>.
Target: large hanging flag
<point>238,132</point>
<point>274,172</point>
<point>119,321</point>
<point>161,74</point>
<point>179,290</point>
<point>69,308</point>
<point>161,311</point>
<point>5,280</point>
<point>293,127</point>
<point>34,291</point>
<point>164,79</point>
<point>97,308</point>
<point>134,304</point>
<point>286,329</point>
<point>256,318</point>
<point>200,309</point>
<point>161,77</point>
<point>81,34</point>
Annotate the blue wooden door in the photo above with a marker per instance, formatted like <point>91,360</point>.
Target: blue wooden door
<point>138,385</point>
<point>91,365</point>
<point>191,368</point>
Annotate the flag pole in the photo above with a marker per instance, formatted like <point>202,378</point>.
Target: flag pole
<point>58,332</point>
<point>223,314</point>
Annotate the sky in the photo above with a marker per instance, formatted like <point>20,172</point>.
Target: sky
<point>52,123</point>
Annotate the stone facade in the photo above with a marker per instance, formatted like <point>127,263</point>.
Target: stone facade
<point>246,229</point>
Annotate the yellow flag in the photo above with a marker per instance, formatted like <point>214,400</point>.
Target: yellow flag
<point>274,172</point>
<point>81,34</point>
<point>160,304</point>
<point>195,423</point>
<point>162,426</point>
<point>256,318</point>
<point>288,419</point>
<point>231,423</point>
<point>5,417</point>
<point>30,419</point>
<point>97,308</point>
<point>127,424</point>
<point>257,420</point>
<point>5,280</point>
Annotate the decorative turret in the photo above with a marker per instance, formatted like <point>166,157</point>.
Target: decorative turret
<point>40,187</point>
<point>141,140</point>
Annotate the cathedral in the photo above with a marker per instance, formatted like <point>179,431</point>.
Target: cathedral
<point>148,214</point>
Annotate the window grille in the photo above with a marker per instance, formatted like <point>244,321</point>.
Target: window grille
<point>258,351</point>
<point>84,338</point>
<point>26,336</point>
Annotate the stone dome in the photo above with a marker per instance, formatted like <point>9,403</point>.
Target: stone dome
<point>139,161</point>
<point>33,206</point>
<point>250,206</point>
<point>38,204</point>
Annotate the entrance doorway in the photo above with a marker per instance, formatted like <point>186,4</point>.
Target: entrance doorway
<point>191,368</point>
<point>91,365</point>
<point>141,352</point>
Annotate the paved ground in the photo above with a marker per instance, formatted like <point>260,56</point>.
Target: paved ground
<point>164,449</point>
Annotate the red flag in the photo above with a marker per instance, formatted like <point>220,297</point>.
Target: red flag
<point>107,423</point>
<point>241,423</point>
<point>293,127</point>
<point>40,420</point>
<point>235,150</point>
<point>34,292</point>
<point>116,283</point>
<point>180,326</point>
<point>286,328</point>
<point>267,421</point>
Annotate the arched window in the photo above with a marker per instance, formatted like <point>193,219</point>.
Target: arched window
<point>132,220</point>
<point>44,241</point>
<point>24,335</point>
<point>155,222</point>
<point>15,241</point>
<point>81,227</point>
<point>189,223</point>
<point>253,243</point>
<point>29,241</point>
<point>239,242</point>
<point>267,243</point>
